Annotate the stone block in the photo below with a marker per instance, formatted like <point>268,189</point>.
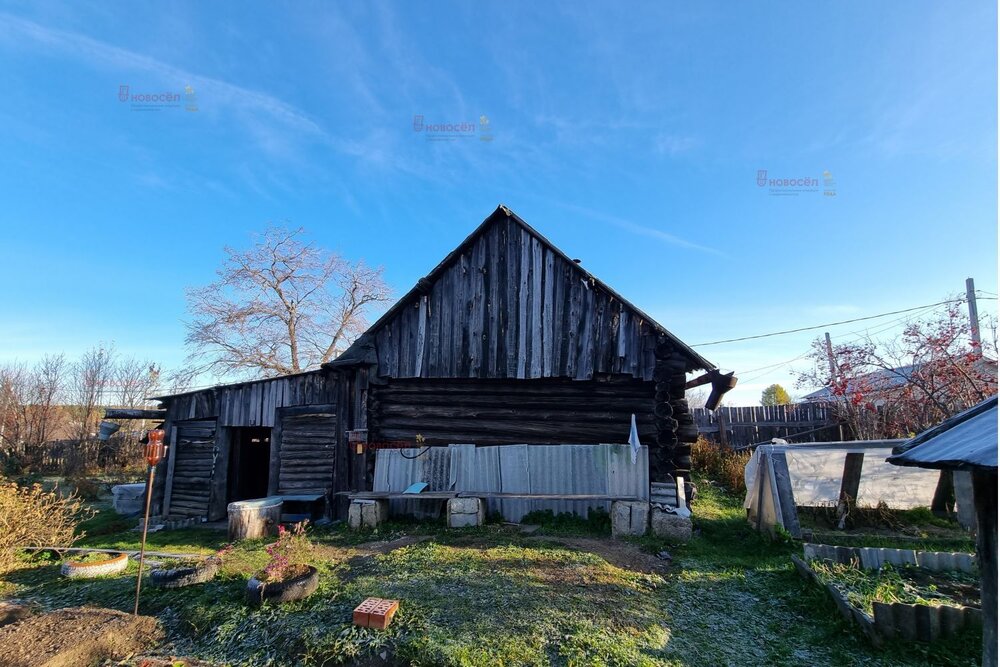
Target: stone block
<point>629,518</point>
<point>466,512</point>
<point>365,513</point>
<point>671,526</point>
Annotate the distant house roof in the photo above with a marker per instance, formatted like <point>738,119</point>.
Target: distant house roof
<point>967,441</point>
<point>880,379</point>
<point>884,379</point>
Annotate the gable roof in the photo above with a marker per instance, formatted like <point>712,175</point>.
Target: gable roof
<point>363,351</point>
<point>965,441</point>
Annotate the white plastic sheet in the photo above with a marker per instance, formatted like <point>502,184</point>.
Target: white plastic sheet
<point>816,472</point>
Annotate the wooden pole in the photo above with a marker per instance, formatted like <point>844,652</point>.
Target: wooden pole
<point>829,356</point>
<point>142,546</point>
<point>970,297</point>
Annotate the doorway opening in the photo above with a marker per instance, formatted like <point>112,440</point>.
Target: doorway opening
<point>249,463</point>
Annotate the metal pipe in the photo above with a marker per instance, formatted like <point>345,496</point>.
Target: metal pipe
<point>142,546</point>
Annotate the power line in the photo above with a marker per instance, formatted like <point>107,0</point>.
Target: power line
<point>829,324</point>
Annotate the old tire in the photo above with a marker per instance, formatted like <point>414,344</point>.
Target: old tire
<point>113,565</point>
<point>185,576</point>
<point>276,592</point>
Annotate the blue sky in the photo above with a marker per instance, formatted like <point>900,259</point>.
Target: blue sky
<point>631,139</point>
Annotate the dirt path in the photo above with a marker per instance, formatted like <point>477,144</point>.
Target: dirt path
<point>76,636</point>
<point>621,554</point>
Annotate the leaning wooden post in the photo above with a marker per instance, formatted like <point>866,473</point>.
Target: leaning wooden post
<point>154,454</point>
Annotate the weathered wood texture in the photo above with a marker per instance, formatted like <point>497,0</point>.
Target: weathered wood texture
<point>194,463</point>
<point>508,305</point>
<point>984,484</point>
<point>498,412</point>
<point>308,452</point>
<point>253,519</point>
<point>743,426</point>
<point>254,403</point>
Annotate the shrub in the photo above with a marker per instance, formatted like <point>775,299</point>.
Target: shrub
<point>722,465</point>
<point>33,517</point>
<point>289,555</point>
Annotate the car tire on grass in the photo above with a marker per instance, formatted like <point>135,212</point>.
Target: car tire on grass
<point>113,565</point>
<point>296,588</point>
<point>185,576</point>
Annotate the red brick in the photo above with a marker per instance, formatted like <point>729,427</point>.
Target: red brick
<point>375,613</point>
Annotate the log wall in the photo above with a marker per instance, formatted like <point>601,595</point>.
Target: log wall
<point>497,412</point>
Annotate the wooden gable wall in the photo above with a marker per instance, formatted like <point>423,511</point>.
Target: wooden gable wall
<point>509,306</point>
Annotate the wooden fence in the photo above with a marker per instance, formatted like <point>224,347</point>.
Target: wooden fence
<point>740,427</point>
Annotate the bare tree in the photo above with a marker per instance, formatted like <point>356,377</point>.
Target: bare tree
<point>280,307</point>
<point>91,378</point>
<point>135,381</point>
<point>29,405</point>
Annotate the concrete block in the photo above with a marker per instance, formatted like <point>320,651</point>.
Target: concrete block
<point>673,527</point>
<point>629,518</point>
<point>367,513</point>
<point>466,512</point>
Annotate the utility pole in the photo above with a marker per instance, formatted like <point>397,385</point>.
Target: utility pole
<point>829,357</point>
<point>970,297</point>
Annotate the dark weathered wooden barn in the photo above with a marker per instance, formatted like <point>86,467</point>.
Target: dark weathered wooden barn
<point>506,341</point>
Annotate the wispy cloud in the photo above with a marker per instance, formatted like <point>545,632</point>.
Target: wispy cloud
<point>642,230</point>
<point>273,124</point>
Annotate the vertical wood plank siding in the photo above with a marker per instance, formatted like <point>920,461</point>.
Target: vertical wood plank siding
<point>511,307</point>
<point>254,403</point>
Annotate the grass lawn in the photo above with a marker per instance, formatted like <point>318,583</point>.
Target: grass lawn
<point>494,596</point>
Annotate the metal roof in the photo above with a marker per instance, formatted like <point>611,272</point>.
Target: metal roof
<point>967,441</point>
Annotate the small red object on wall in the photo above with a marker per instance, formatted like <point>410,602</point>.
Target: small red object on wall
<point>375,613</point>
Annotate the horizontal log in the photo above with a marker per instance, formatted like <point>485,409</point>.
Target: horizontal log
<point>427,413</point>
<point>492,387</point>
<point>130,413</point>
<point>568,423</point>
<point>482,399</point>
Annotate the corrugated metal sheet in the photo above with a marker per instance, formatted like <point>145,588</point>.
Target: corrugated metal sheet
<point>924,623</point>
<point>964,442</point>
<point>397,469</point>
<point>567,469</point>
<point>873,558</point>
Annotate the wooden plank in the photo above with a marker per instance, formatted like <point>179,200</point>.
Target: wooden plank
<point>220,474</point>
<point>851,480</point>
<point>522,306</point>
<point>536,309</point>
<point>274,460</point>
<point>419,353</point>
<point>548,327</point>
<point>786,498</point>
<point>171,464</point>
